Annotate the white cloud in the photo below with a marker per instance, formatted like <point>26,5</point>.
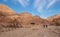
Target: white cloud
<point>36,3</point>
<point>39,4</point>
<point>51,3</point>
<point>39,9</point>
<point>24,2</point>
<point>4,0</point>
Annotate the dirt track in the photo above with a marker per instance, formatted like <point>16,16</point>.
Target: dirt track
<point>37,31</point>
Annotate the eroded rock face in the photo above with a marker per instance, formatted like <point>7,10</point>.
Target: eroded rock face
<point>29,18</point>
<point>23,19</point>
<point>55,20</point>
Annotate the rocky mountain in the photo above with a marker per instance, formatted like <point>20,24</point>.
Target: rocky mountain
<point>54,20</point>
<point>8,18</point>
<point>25,24</point>
<point>5,10</point>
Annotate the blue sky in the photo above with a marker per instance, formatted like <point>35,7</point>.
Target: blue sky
<point>42,8</point>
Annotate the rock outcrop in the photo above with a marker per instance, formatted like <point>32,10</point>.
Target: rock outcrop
<point>54,20</point>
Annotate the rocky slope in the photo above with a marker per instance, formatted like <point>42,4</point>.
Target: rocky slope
<point>5,10</point>
<point>54,20</point>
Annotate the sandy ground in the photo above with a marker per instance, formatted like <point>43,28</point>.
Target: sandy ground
<point>36,31</point>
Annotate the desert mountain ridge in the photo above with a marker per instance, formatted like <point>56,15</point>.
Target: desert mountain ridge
<point>8,18</point>
<point>54,20</point>
<point>25,24</point>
